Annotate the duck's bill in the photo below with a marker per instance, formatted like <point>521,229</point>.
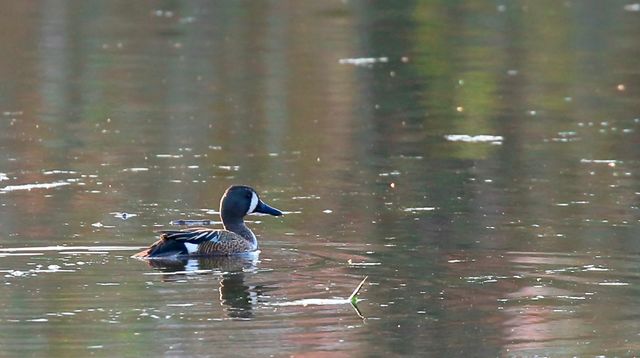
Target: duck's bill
<point>266,209</point>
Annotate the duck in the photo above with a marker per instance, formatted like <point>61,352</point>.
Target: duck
<point>236,238</point>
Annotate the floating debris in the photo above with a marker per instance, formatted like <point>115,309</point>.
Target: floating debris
<point>426,208</point>
<point>58,171</point>
<point>484,138</point>
<point>233,168</point>
<point>38,320</point>
<point>123,215</point>
<point>391,173</point>
<point>191,222</point>
<point>563,139</point>
<point>363,61</point>
<point>180,304</point>
<point>613,283</point>
<point>599,161</point>
<point>594,268</point>
<point>33,186</point>
<point>312,196</point>
<point>352,300</point>
<point>3,176</point>
<point>141,169</point>
<point>52,268</point>
<point>351,263</point>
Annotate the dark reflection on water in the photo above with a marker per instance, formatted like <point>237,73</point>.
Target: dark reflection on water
<point>235,294</point>
<point>342,114</point>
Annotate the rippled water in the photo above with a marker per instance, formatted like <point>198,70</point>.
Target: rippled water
<point>477,160</point>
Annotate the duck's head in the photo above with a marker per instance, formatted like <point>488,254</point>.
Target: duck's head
<point>240,200</point>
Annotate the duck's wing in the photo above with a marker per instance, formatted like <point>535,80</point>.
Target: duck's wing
<point>195,242</point>
<point>174,243</point>
<point>194,235</point>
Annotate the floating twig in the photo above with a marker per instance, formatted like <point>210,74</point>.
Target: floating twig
<point>354,295</point>
<point>352,300</point>
<point>191,222</point>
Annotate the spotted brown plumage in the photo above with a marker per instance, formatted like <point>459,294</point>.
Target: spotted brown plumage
<point>235,238</point>
<point>227,243</point>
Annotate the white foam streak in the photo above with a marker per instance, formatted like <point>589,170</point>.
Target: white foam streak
<point>363,61</point>
<point>484,138</point>
<point>66,248</point>
<point>411,210</point>
<point>33,186</point>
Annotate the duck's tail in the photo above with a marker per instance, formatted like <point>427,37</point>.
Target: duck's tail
<point>146,253</point>
<point>163,248</point>
<point>150,251</point>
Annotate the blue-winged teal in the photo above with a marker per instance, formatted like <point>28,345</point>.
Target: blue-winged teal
<point>236,237</point>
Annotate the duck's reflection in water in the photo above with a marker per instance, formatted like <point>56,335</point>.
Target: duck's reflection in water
<point>236,296</point>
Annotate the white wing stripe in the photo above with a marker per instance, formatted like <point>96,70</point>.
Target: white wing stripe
<point>201,235</point>
<point>191,248</point>
<point>195,235</point>
<point>212,235</point>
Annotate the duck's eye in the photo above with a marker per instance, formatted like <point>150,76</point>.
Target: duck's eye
<point>249,195</point>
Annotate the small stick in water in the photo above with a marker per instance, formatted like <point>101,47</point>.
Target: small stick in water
<point>353,299</point>
<point>191,222</point>
<point>354,296</point>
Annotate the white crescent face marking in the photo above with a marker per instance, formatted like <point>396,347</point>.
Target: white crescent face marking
<point>254,203</point>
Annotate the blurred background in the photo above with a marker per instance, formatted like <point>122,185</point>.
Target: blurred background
<point>478,160</point>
